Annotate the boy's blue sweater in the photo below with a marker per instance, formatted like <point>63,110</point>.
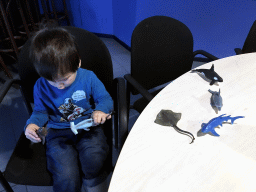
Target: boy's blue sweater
<point>59,107</point>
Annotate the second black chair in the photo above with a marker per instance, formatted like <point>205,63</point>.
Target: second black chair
<point>250,42</point>
<point>161,51</point>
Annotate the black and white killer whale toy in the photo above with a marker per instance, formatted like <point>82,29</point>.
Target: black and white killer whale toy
<point>209,74</point>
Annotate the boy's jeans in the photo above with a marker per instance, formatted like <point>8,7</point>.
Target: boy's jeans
<point>71,156</point>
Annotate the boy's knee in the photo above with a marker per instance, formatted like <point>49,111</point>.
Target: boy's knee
<point>63,169</point>
<point>67,174</point>
<point>93,167</point>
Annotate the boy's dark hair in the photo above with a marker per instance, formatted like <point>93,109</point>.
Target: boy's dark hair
<point>54,52</point>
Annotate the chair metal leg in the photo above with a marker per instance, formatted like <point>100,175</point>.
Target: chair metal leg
<point>45,10</point>
<point>54,10</point>
<point>9,15</point>
<point>22,17</point>
<point>36,5</point>
<point>4,183</point>
<point>9,29</point>
<point>66,11</point>
<point>2,26</point>
<point>5,68</point>
<point>30,14</point>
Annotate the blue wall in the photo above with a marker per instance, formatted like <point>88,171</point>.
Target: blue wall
<point>124,19</point>
<point>93,15</point>
<point>217,26</point>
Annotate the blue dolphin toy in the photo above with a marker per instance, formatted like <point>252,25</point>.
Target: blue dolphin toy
<point>216,99</point>
<point>209,127</point>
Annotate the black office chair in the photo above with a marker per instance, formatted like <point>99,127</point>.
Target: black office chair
<point>250,42</point>
<point>27,165</point>
<point>161,51</point>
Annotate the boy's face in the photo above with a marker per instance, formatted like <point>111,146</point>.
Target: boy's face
<point>66,81</point>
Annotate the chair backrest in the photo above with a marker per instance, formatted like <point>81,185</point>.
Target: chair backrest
<point>161,51</point>
<point>94,56</point>
<point>250,41</point>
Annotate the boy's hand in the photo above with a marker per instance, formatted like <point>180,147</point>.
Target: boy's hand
<point>100,117</point>
<point>31,133</point>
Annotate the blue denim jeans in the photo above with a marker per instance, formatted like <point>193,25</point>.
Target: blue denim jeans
<point>73,159</point>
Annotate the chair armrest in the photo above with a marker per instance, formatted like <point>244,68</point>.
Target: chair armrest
<point>238,51</point>
<point>206,54</point>
<point>120,118</point>
<point>139,87</point>
<point>6,87</point>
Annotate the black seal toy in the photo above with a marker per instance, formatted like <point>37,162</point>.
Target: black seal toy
<point>209,74</point>
<point>42,132</point>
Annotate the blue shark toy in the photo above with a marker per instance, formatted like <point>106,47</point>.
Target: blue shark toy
<point>209,74</point>
<point>209,127</point>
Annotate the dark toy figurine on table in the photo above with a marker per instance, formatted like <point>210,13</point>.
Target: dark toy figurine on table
<point>169,118</point>
<point>216,100</point>
<point>209,74</point>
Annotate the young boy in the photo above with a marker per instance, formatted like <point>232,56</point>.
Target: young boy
<point>62,95</point>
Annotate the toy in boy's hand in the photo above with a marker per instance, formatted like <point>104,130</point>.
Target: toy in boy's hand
<point>82,125</point>
<point>85,124</point>
<point>209,127</point>
<point>169,118</point>
<point>216,100</point>
<point>209,74</point>
<point>42,132</point>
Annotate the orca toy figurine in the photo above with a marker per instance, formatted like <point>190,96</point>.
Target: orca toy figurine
<point>210,74</point>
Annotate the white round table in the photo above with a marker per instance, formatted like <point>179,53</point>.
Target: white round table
<point>158,158</point>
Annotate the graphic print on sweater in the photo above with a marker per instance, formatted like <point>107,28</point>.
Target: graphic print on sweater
<point>69,110</point>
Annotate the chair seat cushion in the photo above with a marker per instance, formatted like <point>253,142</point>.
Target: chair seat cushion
<point>27,165</point>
